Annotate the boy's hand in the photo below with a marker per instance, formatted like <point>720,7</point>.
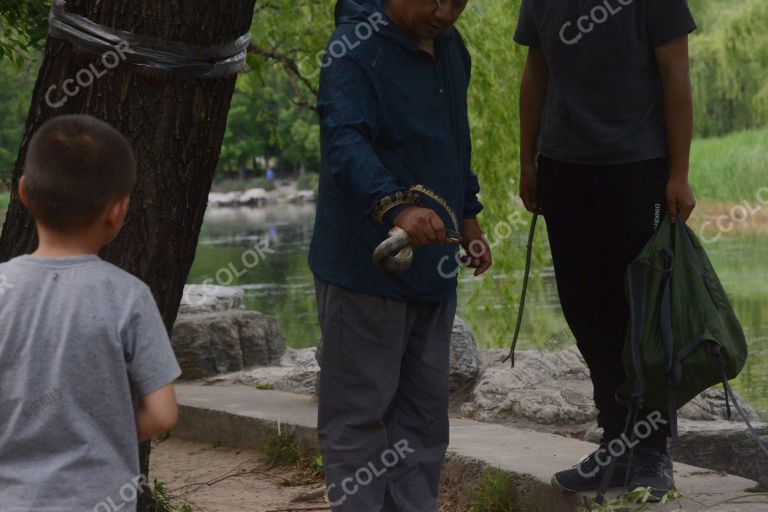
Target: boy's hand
<point>478,249</point>
<point>528,187</point>
<point>423,225</point>
<point>680,199</point>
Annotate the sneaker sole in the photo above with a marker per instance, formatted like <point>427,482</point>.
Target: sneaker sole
<point>556,483</point>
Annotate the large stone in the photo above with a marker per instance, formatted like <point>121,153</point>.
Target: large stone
<point>549,391</point>
<point>208,298</point>
<point>464,360</point>
<point>724,446</point>
<point>297,373</point>
<point>207,344</point>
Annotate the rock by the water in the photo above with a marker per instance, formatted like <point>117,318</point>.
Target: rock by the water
<point>207,344</point>
<point>548,390</point>
<point>464,360</point>
<point>224,199</point>
<point>297,373</point>
<point>723,446</point>
<point>208,298</point>
<point>254,197</point>
<point>251,197</point>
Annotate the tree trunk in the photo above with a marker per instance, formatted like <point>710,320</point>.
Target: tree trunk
<point>176,126</point>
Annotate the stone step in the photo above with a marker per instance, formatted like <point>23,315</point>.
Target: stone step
<point>242,416</point>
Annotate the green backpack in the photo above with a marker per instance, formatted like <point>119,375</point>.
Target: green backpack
<point>683,335</point>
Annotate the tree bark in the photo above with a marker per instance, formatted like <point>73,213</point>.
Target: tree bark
<point>175,123</point>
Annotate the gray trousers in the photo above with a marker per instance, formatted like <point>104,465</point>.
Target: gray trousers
<point>383,413</point>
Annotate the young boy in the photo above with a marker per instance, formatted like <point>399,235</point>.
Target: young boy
<point>606,127</point>
<point>80,339</point>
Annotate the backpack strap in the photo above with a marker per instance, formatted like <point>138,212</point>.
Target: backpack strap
<point>668,343</point>
<point>706,279</point>
<point>637,277</point>
<point>526,275</point>
<point>744,418</point>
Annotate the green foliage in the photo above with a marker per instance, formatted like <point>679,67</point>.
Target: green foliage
<point>634,501</point>
<point>282,450</point>
<point>16,85</point>
<point>730,168</point>
<point>729,66</point>
<point>260,183</point>
<point>164,502</point>
<point>293,31</point>
<point>5,200</point>
<point>264,121</point>
<point>497,492</point>
<point>23,27</point>
<point>487,27</point>
<point>271,111</point>
<point>308,182</point>
<point>318,467</point>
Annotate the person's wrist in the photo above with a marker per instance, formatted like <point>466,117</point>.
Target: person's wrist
<point>528,166</point>
<point>678,178</point>
<point>393,216</point>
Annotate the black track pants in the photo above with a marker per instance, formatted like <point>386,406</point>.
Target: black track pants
<point>599,218</point>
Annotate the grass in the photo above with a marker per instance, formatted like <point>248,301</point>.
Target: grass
<point>634,501</point>
<point>284,450</point>
<point>497,492</point>
<point>164,502</point>
<point>5,199</point>
<point>730,168</point>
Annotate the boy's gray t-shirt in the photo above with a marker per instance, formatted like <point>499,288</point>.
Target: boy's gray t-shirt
<point>604,104</point>
<point>78,339</point>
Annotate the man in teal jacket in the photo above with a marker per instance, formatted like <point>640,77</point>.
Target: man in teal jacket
<point>393,114</point>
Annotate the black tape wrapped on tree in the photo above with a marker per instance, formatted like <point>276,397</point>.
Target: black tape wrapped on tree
<point>198,61</point>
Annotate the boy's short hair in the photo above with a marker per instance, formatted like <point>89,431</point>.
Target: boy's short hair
<point>76,166</point>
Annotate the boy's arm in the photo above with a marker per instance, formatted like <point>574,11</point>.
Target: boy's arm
<point>156,413</point>
<point>151,366</point>
<point>533,96</point>
<point>673,63</point>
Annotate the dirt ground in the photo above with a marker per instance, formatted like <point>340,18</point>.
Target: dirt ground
<point>217,479</point>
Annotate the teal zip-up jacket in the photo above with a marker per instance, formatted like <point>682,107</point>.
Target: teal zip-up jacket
<point>391,116</point>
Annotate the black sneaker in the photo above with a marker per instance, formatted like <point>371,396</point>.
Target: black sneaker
<point>587,474</point>
<point>653,469</point>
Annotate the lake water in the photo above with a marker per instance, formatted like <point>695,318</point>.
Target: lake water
<point>264,251</point>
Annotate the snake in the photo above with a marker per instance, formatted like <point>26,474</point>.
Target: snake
<point>395,254</point>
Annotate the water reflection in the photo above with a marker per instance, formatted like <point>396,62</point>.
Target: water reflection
<point>281,285</point>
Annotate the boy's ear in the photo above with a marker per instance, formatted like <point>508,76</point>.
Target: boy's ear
<point>117,212</point>
<point>23,193</point>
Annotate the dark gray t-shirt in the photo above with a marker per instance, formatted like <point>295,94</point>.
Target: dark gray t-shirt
<point>77,336</point>
<point>605,96</point>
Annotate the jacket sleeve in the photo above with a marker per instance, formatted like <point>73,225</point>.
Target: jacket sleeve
<point>472,205</point>
<point>348,113</point>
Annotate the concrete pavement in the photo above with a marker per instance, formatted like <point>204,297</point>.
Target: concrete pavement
<point>242,416</point>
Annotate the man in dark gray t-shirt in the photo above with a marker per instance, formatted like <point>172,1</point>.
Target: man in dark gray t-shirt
<point>606,127</point>
<point>80,339</point>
